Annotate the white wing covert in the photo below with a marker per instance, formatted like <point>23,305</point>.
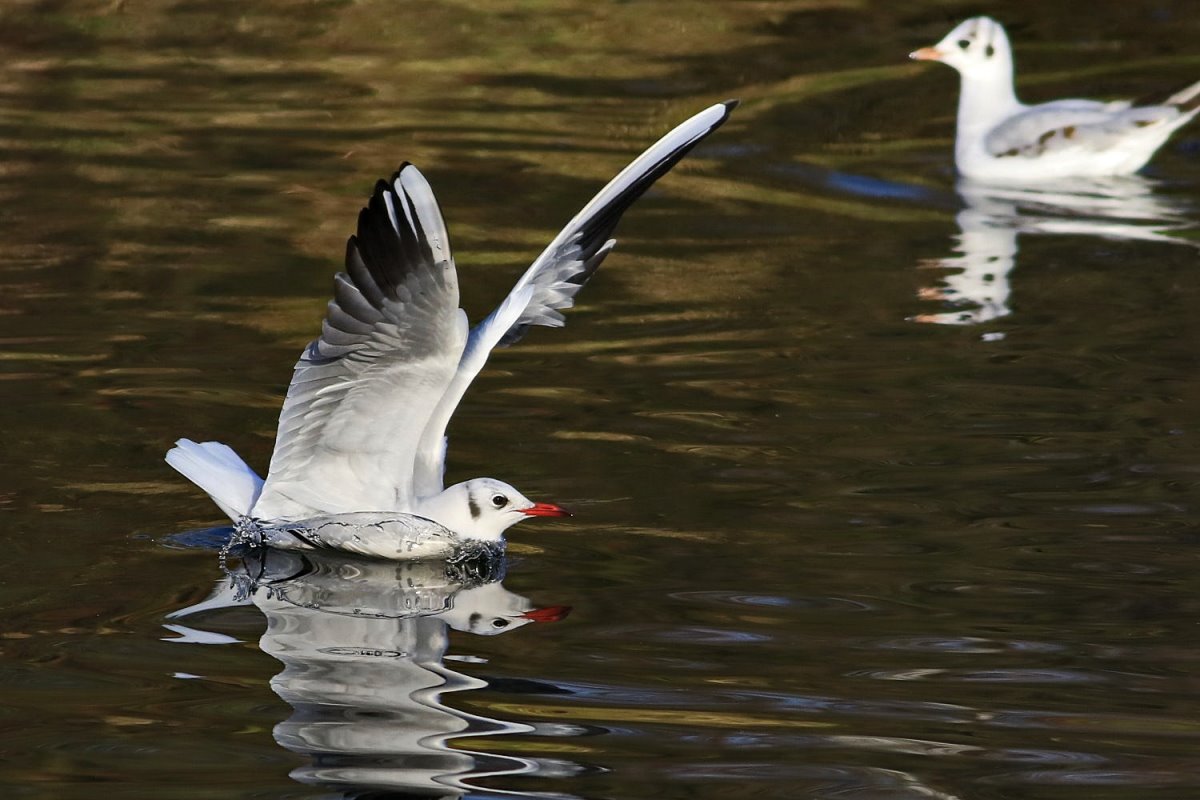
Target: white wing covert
<point>362,393</point>
<point>550,284</point>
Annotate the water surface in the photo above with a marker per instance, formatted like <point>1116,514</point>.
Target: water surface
<point>884,487</point>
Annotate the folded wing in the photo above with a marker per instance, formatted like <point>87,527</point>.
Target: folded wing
<point>1075,124</point>
<point>364,391</point>
<point>556,276</point>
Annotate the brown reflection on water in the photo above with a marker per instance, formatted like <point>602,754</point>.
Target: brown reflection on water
<point>820,550</point>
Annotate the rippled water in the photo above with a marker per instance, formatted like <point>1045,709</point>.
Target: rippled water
<point>885,488</point>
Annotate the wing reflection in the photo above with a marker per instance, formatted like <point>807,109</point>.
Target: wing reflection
<point>978,289</point>
<point>363,647</point>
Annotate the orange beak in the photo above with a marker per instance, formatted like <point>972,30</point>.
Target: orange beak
<point>545,510</point>
<point>926,54</point>
<point>548,614</point>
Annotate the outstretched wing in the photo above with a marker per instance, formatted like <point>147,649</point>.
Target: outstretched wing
<point>364,391</point>
<point>1074,124</point>
<point>556,276</point>
<point>567,263</point>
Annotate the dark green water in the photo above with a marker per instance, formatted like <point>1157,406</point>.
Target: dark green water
<point>824,548</point>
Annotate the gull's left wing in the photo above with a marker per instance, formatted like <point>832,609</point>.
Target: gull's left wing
<point>556,276</point>
<point>390,344</point>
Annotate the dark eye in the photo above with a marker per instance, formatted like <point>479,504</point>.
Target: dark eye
<point>499,500</point>
<point>499,623</point>
<point>964,43</point>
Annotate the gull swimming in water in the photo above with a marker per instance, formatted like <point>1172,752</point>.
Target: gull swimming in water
<point>360,450</point>
<point>999,138</point>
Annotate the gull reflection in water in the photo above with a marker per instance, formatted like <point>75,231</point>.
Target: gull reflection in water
<point>363,647</point>
<point>978,290</point>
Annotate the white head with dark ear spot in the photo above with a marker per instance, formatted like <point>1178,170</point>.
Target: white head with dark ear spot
<point>483,508</point>
<point>977,48</point>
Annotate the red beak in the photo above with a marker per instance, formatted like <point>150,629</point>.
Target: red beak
<point>545,510</point>
<point>548,614</point>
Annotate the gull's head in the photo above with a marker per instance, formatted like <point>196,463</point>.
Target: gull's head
<point>977,48</point>
<point>483,508</point>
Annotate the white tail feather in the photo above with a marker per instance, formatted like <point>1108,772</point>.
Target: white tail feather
<point>216,469</point>
<point>1185,97</point>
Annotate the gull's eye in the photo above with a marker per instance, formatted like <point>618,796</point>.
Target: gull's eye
<point>964,43</point>
<point>499,500</point>
<point>499,623</point>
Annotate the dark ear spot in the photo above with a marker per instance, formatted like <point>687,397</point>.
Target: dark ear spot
<point>474,507</point>
<point>990,51</point>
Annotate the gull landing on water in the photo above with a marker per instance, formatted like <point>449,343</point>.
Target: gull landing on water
<point>360,450</point>
<point>1001,139</point>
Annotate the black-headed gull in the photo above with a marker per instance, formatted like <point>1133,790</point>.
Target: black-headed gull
<point>361,441</point>
<point>1000,138</point>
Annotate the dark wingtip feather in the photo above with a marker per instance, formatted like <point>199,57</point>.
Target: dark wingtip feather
<point>387,254</point>
<point>605,221</point>
<point>589,234</point>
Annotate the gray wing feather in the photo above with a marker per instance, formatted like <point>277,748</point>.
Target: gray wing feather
<point>390,343</point>
<point>1067,124</point>
<point>431,451</point>
<point>556,276</point>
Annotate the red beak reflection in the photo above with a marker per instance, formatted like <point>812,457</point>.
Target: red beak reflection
<point>545,510</point>
<point>548,614</point>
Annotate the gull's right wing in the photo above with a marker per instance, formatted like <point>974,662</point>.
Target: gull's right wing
<point>556,276</point>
